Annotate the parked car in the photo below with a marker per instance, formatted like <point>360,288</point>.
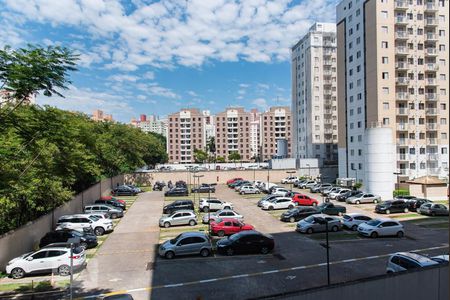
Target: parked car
<point>111,202</point>
<point>351,221</point>
<point>179,217</point>
<point>238,183</point>
<point>246,242</point>
<point>331,209</point>
<point>381,227</point>
<point>414,204</point>
<point>123,190</point>
<point>433,209</point>
<point>298,213</point>
<point>267,187</point>
<point>280,191</point>
<point>307,184</point>
<point>405,197</point>
<point>135,188</point>
<point>186,243</point>
<point>178,205</point>
<point>318,223</point>
<point>317,188</point>
<point>221,214</point>
<point>230,181</point>
<point>403,261</point>
<point>335,194</point>
<point>249,190</point>
<point>204,188</point>
<point>392,206</point>
<point>239,187</point>
<point>158,186</point>
<point>299,182</point>
<point>46,260</point>
<point>113,198</point>
<point>347,194</point>
<point>113,212</point>
<point>267,198</point>
<point>87,240</point>
<point>279,203</point>
<point>85,222</point>
<point>304,200</point>
<point>289,179</point>
<point>213,204</point>
<point>363,198</point>
<point>329,190</point>
<point>176,192</point>
<point>226,226</point>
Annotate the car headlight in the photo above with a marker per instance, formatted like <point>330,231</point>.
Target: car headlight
<point>162,248</point>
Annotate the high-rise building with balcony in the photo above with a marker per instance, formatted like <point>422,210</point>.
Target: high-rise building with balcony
<point>276,130</point>
<point>100,116</point>
<point>150,123</point>
<point>314,95</point>
<point>393,66</point>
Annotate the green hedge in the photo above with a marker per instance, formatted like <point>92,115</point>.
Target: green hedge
<point>400,192</point>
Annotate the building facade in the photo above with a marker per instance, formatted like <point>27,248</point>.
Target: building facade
<point>151,123</point>
<point>314,95</point>
<point>99,116</point>
<point>276,130</point>
<point>186,133</point>
<point>255,138</point>
<point>393,66</point>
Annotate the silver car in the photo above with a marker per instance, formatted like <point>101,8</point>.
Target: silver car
<point>224,213</point>
<point>179,217</point>
<point>363,198</point>
<point>317,223</point>
<point>187,243</point>
<point>113,212</point>
<point>351,221</point>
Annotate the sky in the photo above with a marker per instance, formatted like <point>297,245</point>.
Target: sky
<point>157,57</point>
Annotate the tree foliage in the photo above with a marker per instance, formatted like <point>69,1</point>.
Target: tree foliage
<point>47,155</point>
<point>200,156</point>
<point>234,156</point>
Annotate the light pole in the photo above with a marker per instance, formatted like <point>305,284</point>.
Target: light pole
<point>209,210</point>
<point>326,246</point>
<point>291,172</point>
<point>198,186</point>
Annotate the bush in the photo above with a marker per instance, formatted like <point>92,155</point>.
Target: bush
<point>400,192</point>
<point>357,185</point>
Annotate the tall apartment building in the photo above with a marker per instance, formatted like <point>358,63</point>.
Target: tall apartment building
<point>100,116</point>
<point>255,124</point>
<point>314,95</point>
<point>393,62</point>
<point>210,128</point>
<point>151,123</point>
<point>276,131</point>
<point>233,133</point>
<point>185,133</point>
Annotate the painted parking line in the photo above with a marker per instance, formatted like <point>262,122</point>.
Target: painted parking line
<point>260,273</point>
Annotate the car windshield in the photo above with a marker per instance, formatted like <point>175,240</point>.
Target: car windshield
<point>94,218</point>
<point>174,240</point>
<point>217,221</point>
<point>386,202</point>
<point>77,233</point>
<point>309,219</point>
<point>234,237</point>
<point>373,222</point>
<point>323,205</point>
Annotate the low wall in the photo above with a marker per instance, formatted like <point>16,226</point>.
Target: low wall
<point>26,238</point>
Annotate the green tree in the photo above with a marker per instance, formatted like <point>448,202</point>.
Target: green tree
<point>234,156</point>
<point>220,159</point>
<point>200,156</point>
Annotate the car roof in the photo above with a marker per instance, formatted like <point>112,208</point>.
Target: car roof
<point>230,219</point>
<point>418,257</point>
<point>184,210</point>
<point>356,214</point>
<point>193,233</point>
<point>76,216</point>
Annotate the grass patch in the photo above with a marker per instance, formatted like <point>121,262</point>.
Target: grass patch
<point>37,287</point>
<point>445,202</point>
<point>411,215</point>
<point>146,188</point>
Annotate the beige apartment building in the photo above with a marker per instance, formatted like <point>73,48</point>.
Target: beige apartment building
<point>393,69</point>
<point>100,116</point>
<point>276,132</point>
<point>185,133</point>
<point>314,95</point>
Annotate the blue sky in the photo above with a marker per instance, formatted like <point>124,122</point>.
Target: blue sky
<point>156,57</point>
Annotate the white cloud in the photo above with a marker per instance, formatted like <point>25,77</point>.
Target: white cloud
<point>192,93</point>
<point>123,77</point>
<point>156,90</point>
<point>263,86</point>
<point>149,75</point>
<point>261,103</point>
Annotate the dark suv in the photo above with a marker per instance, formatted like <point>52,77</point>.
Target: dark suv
<point>178,205</point>
<point>392,206</point>
<point>87,240</point>
<point>177,192</point>
<point>414,204</point>
<point>112,202</point>
<point>124,190</point>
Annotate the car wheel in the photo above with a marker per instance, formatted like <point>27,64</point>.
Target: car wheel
<point>84,245</point>
<point>433,214</point>
<point>17,273</point>
<point>374,235</point>
<point>388,211</point>
<point>358,202</point>
<point>242,193</point>
<point>204,253</point>
<point>355,227</point>
<point>258,192</point>
<point>192,223</point>
<point>334,228</point>
<point>292,219</point>
<point>309,230</point>
<point>166,224</point>
<point>230,252</point>
<point>400,234</point>
<point>114,216</point>
<point>405,210</point>
<point>340,213</point>
<point>314,204</point>
<point>64,270</point>
<point>264,250</point>
<point>226,207</point>
<point>221,233</point>
<point>270,207</point>
<point>205,209</point>
<point>291,206</point>
<point>99,231</point>
<point>169,255</point>
<point>375,201</point>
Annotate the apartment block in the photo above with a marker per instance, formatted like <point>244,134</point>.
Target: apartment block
<point>151,123</point>
<point>255,125</point>
<point>99,116</point>
<point>185,133</point>
<point>314,95</point>
<point>392,62</point>
<point>276,132</point>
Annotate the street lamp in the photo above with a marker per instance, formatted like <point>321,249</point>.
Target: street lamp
<point>198,186</point>
<point>291,172</point>
<point>326,246</point>
<point>209,210</point>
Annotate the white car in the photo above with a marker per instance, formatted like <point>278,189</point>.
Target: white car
<point>49,259</point>
<point>307,184</point>
<point>85,222</point>
<point>333,195</point>
<point>221,214</point>
<point>279,203</point>
<point>351,221</point>
<point>290,179</point>
<point>381,227</point>
<point>280,191</point>
<point>249,190</point>
<point>207,204</point>
<point>238,188</point>
<point>402,261</point>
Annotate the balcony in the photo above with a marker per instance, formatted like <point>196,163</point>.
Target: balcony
<point>431,52</point>
<point>432,126</point>
<point>432,142</point>
<point>327,102</point>
<point>327,82</point>
<point>401,35</point>
<point>400,5</point>
<point>328,121</point>
<point>327,72</point>
<point>431,7</point>
<point>432,112</point>
<point>328,131</point>
<point>430,81</point>
<point>327,62</point>
<point>431,22</point>
<point>431,96</point>
<point>327,112</point>
<point>431,67</point>
<point>403,157</point>
<point>432,37</point>
<point>402,111</point>
<point>402,141</point>
<point>432,156</point>
<point>402,80</point>
<point>401,65</point>
<point>402,96</point>
<point>402,127</point>
<point>401,20</point>
<point>401,50</point>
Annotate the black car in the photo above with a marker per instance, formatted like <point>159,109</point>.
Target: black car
<point>177,192</point>
<point>204,188</point>
<point>158,186</point>
<point>124,190</point>
<point>87,240</point>
<point>331,209</point>
<point>246,242</point>
<point>348,194</point>
<point>298,213</point>
<point>415,203</point>
<point>180,184</point>
<point>238,183</point>
<point>112,202</point>
<point>178,205</point>
<point>392,206</point>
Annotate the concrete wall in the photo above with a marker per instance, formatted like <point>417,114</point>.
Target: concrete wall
<point>430,283</point>
<point>26,238</point>
<point>428,192</point>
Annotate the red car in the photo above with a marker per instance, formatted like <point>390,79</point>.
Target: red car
<point>223,227</point>
<point>304,200</point>
<point>113,198</point>
<point>233,180</point>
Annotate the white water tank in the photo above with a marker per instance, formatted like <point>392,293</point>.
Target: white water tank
<point>379,162</point>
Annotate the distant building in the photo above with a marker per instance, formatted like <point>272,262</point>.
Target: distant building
<point>151,123</point>
<point>276,129</point>
<point>255,126</point>
<point>99,116</point>
<point>209,126</point>
<point>4,99</point>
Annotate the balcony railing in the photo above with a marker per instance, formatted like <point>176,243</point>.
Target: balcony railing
<point>431,81</point>
<point>401,20</point>
<point>402,156</point>
<point>327,82</point>
<point>401,34</point>
<point>402,111</point>
<point>431,96</point>
<point>327,62</point>
<point>432,111</point>
<point>402,141</point>
<point>432,156</point>
<point>402,96</point>
<point>431,7</point>
<point>431,67</point>
<point>400,5</point>
<point>402,80</point>
<point>432,126</point>
<point>432,36</point>
<point>431,22</point>
<point>402,126</point>
<point>432,141</point>
<point>401,50</point>
<point>430,51</point>
<point>401,65</point>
